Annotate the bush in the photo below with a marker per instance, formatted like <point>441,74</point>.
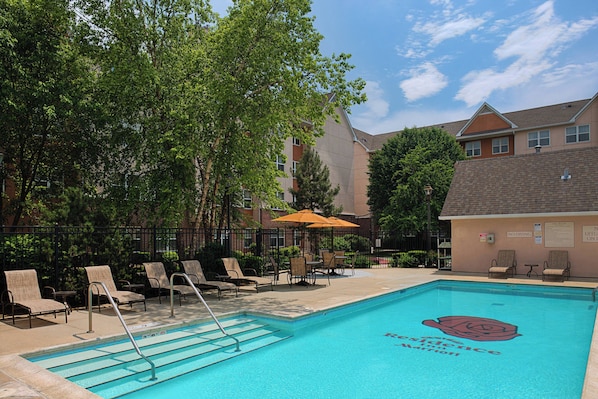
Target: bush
<point>403,259</point>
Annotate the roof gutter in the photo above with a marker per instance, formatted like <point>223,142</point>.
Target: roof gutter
<point>520,215</point>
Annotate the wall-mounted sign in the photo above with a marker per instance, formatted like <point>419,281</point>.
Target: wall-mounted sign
<point>559,235</point>
<point>590,233</point>
<point>483,237</point>
<point>519,234</point>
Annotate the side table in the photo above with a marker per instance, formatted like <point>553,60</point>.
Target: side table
<point>138,288</point>
<point>62,296</point>
<point>531,269</point>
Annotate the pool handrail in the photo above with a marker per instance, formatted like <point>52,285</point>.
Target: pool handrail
<point>186,277</point>
<point>594,294</point>
<point>122,321</point>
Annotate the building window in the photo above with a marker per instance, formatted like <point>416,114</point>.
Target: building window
<point>280,163</point>
<point>280,196</point>
<point>500,145</point>
<point>247,238</point>
<point>297,238</point>
<point>277,238</point>
<point>473,149</point>
<point>294,167</point>
<point>577,134</point>
<point>296,141</point>
<point>246,199</point>
<point>541,138</point>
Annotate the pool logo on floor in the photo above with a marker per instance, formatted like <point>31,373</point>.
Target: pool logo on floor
<point>474,328</point>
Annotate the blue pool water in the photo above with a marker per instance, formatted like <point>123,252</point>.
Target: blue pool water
<point>439,340</point>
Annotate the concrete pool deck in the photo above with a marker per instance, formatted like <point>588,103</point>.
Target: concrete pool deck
<point>22,379</point>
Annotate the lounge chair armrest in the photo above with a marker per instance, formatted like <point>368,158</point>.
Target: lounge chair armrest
<point>194,279</point>
<point>157,282</point>
<point>6,294</point>
<point>250,272</point>
<point>125,283</point>
<point>50,289</point>
<point>231,272</point>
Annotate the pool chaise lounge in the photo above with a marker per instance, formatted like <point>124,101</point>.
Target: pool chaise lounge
<point>158,280</point>
<point>557,265</point>
<point>22,291</point>
<point>239,277</point>
<point>504,264</point>
<point>195,272</point>
<point>103,274</point>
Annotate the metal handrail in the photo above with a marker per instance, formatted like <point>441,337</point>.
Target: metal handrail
<point>186,277</point>
<point>122,321</point>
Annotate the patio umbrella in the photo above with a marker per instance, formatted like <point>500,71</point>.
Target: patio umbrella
<point>332,223</point>
<point>303,217</point>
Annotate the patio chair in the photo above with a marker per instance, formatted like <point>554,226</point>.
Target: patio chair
<point>195,272</point>
<point>557,265</point>
<point>352,263</point>
<point>159,281</point>
<point>272,269</point>
<point>22,291</point>
<point>299,272</point>
<point>326,266</point>
<point>339,261</point>
<point>247,276</point>
<point>504,264</point>
<point>103,274</point>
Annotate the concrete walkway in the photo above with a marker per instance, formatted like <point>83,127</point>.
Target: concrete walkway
<point>22,379</point>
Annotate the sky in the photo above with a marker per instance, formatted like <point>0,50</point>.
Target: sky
<point>427,62</point>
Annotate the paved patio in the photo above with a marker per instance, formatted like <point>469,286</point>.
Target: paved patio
<point>22,379</point>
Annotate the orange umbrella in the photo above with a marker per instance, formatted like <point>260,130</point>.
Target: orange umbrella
<point>333,222</point>
<point>303,216</point>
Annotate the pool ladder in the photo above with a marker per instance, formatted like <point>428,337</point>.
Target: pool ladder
<point>122,321</point>
<point>186,277</point>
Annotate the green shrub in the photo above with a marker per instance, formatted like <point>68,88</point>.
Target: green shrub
<point>404,259</point>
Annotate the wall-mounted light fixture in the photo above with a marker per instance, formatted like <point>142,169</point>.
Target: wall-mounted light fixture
<point>566,176</point>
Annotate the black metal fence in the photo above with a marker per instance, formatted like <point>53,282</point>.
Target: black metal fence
<point>58,253</point>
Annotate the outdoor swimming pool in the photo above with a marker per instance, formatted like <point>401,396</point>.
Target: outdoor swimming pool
<point>438,340</point>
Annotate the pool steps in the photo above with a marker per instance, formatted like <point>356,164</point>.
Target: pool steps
<point>115,370</point>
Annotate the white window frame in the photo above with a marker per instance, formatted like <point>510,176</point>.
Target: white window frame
<point>539,137</point>
<point>294,167</point>
<point>572,134</point>
<point>473,149</point>
<point>296,141</point>
<point>500,145</point>
<point>247,200</point>
<point>280,162</point>
<point>277,240</point>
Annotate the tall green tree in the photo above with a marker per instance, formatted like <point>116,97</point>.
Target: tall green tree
<point>314,188</point>
<point>399,172</point>
<point>197,107</point>
<point>45,85</point>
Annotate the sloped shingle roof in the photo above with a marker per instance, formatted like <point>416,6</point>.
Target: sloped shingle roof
<point>524,184</point>
<point>550,115</point>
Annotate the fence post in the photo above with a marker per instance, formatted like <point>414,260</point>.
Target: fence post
<point>56,256</point>
<point>154,241</point>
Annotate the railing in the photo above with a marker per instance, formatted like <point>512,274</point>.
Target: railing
<point>122,321</point>
<point>186,277</point>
